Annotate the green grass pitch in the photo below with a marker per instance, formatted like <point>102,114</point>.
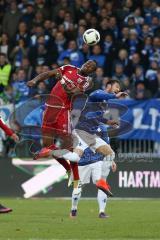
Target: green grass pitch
<point>48,219</point>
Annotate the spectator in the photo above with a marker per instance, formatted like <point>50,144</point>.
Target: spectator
<point>124,60</point>
<point>38,19</point>
<point>108,45</point>
<point>73,54</point>
<point>28,15</point>
<point>39,90</point>
<point>140,92</point>
<point>138,75</point>
<point>36,32</point>
<point>113,26</point>
<point>11,20</point>
<point>4,44</point>
<point>120,75</point>
<point>85,51</point>
<point>50,83</point>
<point>122,43</point>
<point>40,54</point>
<point>98,56</point>
<point>20,87</point>
<point>22,33</point>
<point>81,30</point>
<point>84,8</point>
<point>146,31</point>
<point>68,21</point>
<point>19,52</point>
<point>151,77</point>
<point>134,44</point>
<point>109,49</point>
<point>41,7</point>
<point>155,24</point>
<point>28,68</point>
<point>48,25</point>
<point>135,61</point>
<point>147,11</point>
<point>60,42</point>
<point>104,28</point>
<point>59,19</point>
<point>156,50</point>
<point>109,7</point>
<point>62,4</point>
<point>98,78</point>
<point>9,96</point>
<point>158,78</point>
<point>5,71</point>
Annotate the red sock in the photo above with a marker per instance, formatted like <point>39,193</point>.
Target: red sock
<point>53,147</point>
<point>64,163</point>
<point>74,167</point>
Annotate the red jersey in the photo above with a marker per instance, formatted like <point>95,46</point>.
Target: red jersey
<point>71,80</point>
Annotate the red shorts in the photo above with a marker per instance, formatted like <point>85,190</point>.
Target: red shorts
<point>56,120</point>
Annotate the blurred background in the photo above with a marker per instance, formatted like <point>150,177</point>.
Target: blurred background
<point>36,36</point>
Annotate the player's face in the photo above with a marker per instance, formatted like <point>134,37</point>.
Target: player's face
<point>115,88</point>
<point>88,67</point>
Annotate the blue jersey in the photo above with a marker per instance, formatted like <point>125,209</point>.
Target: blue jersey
<point>89,156</point>
<point>93,113</point>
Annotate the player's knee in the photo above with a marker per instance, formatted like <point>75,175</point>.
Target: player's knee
<point>77,191</point>
<point>105,150</point>
<point>111,156</point>
<point>74,157</point>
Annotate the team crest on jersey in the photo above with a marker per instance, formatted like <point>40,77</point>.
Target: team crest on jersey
<point>79,80</point>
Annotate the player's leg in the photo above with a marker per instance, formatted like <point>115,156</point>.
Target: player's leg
<point>85,174</point>
<point>102,147</point>
<point>49,133</point>
<point>101,196</point>
<point>76,195</point>
<point>4,209</point>
<point>102,201</point>
<point>79,146</point>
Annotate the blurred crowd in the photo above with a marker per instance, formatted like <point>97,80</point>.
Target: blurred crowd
<point>39,35</point>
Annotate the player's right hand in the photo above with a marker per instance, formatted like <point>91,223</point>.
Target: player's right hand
<point>58,75</point>
<point>15,137</point>
<point>114,167</point>
<point>121,94</point>
<point>31,83</point>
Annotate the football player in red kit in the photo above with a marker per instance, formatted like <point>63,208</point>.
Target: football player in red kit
<point>14,136</point>
<point>56,118</point>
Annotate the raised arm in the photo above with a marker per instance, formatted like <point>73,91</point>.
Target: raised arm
<point>8,131</point>
<point>45,75</point>
<point>100,95</point>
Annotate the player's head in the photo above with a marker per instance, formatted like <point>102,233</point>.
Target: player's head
<point>113,86</point>
<point>88,67</point>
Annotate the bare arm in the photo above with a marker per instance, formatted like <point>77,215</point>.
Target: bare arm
<point>45,75</point>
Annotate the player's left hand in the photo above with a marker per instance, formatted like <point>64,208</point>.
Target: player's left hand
<point>15,137</point>
<point>31,83</point>
<point>114,167</point>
